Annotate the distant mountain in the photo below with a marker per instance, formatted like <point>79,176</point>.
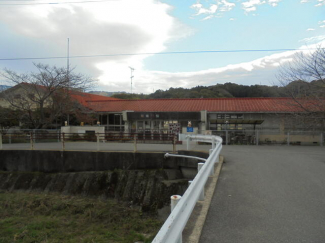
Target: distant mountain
<point>105,93</point>
<point>4,87</point>
<point>227,90</point>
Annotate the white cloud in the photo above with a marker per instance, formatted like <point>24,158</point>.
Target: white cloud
<point>322,24</point>
<point>310,29</point>
<point>225,6</point>
<point>313,40</point>
<point>232,19</point>
<point>201,10</point>
<point>262,70</point>
<point>113,27</point>
<point>320,3</point>
<point>251,5</point>
<point>212,9</point>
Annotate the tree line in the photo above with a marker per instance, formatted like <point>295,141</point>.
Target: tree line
<point>227,90</point>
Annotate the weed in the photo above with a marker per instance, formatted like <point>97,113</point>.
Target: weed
<point>32,217</point>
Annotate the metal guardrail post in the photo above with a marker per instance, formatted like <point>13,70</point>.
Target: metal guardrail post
<point>199,167</point>
<point>135,143</point>
<point>58,136</point>
<point>31,141</point>
<point>172,228</point>
<point>0,141</point>
<point>288,138</point>
<point>173,202</point>
<point>212,170</point>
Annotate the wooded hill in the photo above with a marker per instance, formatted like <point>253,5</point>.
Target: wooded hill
<point>223,91</point>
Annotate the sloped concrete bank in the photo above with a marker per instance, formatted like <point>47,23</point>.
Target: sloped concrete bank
<point>142,179</point>
<point>149,189</point>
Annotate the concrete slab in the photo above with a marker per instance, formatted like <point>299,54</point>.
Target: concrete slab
<point>268,194</point>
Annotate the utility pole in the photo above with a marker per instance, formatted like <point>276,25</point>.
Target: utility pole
<point>132,70</point>
<point>68,77</point>
<point>68,66</point>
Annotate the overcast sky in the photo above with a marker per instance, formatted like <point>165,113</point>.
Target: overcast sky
<point>107,30</point>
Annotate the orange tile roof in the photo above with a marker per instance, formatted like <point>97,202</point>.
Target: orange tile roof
<point>82,98</point>
<point>266,105</point>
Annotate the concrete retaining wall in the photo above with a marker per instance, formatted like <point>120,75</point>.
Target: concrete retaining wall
<point>72,161</point>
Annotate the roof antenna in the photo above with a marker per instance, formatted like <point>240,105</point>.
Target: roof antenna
<point>132,70</point>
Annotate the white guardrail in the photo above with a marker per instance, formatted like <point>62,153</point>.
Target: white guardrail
<point>173,227</point>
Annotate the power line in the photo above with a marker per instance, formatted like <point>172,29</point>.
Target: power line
<point>53,3</point>
<point>150,53</point>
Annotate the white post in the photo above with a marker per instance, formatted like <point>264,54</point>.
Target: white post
<point>97,141</point>
<point>173,202</point>
<point>188,143</point>
<point>0,140</point>
<point>201,197</point>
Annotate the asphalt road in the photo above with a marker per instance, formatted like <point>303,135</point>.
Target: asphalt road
<point>268,194</point>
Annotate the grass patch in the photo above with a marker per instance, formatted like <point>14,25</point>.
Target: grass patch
<point>32,217</point>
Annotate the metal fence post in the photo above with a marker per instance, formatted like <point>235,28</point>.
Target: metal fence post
<point>288,138</point>
<point>201,197</point>
<point>97,141</point>
<point>135,143</point>
<point>62,140</point>
<point>58,136</point>
<point>31,141</point>
<point>0,141</point>
<point>257,137</point>
<point>9,138</point>
<point>173,202</point>
<point>321,139</point>
<point>227,137</point>
<point>174,144</point>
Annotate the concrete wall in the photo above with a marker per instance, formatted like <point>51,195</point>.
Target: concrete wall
<point>71,161</point>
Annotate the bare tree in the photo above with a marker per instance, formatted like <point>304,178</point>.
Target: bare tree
<point>38,94</point>
<point>304,81</point>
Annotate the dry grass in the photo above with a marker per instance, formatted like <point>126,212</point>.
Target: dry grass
<point>32,217</point>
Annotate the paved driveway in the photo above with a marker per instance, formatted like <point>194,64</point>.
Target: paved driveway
<point>269,194</point>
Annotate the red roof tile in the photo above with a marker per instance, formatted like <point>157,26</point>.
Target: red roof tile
<point>267,105</point>
<point>82,98</point>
